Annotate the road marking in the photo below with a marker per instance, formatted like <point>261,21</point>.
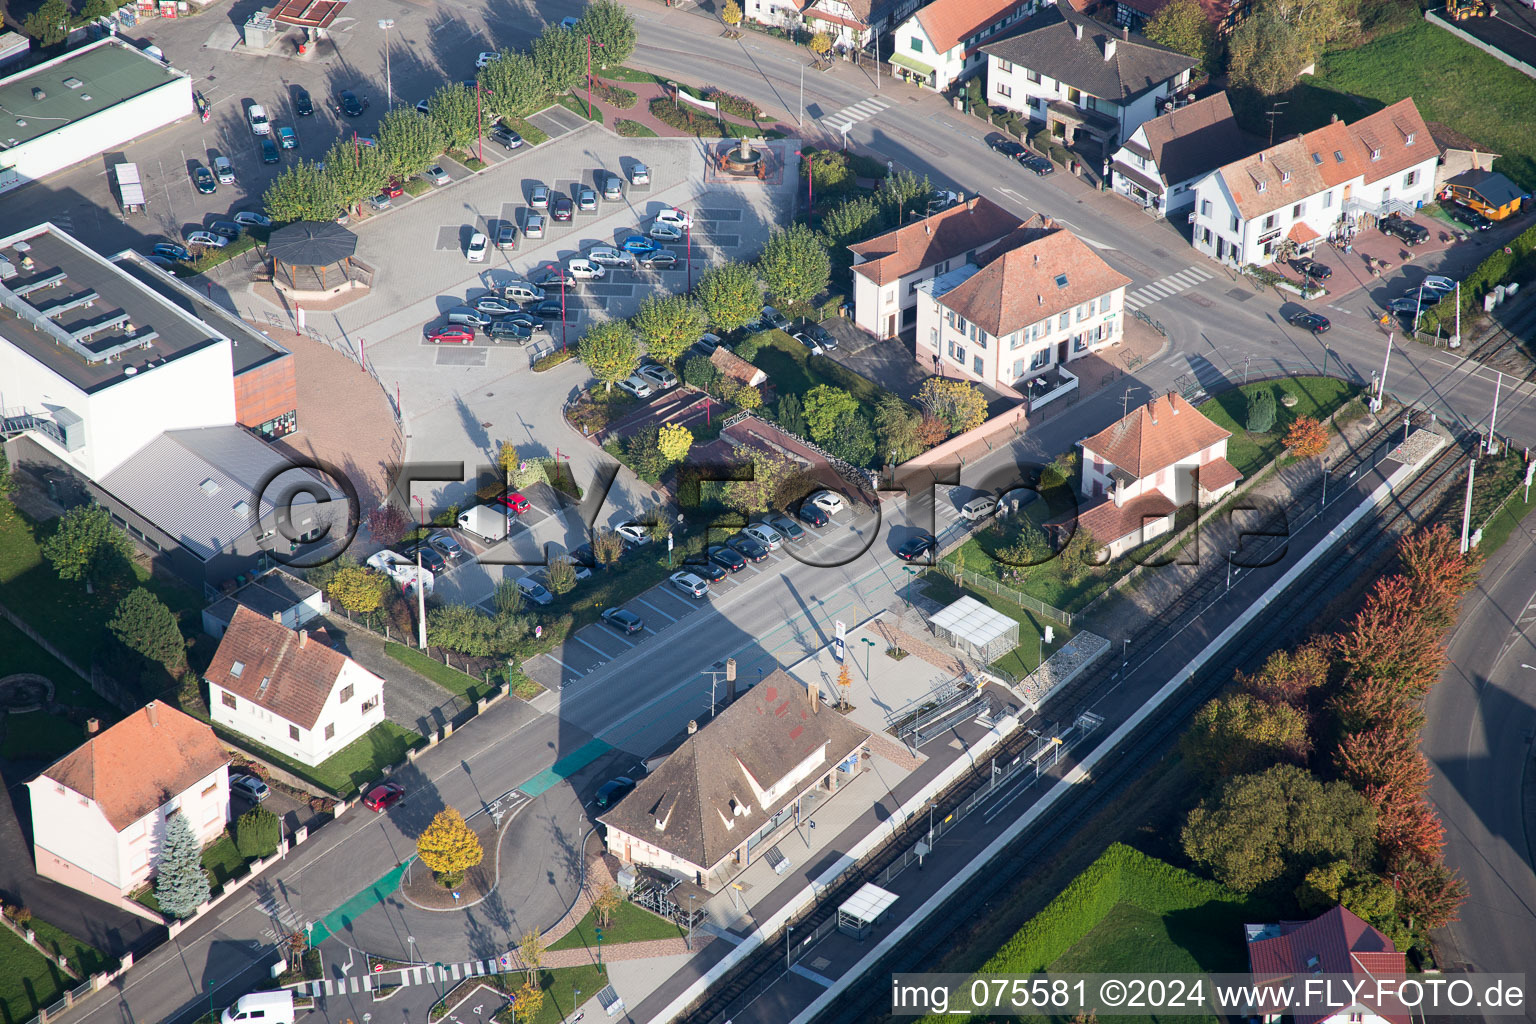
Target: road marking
<point>1166,287</point>
<point>617,635</point>
<point>846,118</point>
<point>658,611</point>
<point>592,647</point>
<point>564,768</point>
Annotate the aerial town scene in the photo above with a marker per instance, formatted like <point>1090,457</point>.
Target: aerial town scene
<point>767,511</point>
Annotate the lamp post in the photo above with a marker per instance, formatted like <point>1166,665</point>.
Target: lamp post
<point>787,930</point>
<point>911,575</point>
<point>1230,555</point>
<point>565,328</point>
<point>589,75</point>
<point>688,236</point>
<point>421,590</point>
<point>209,984</point>
<point>389,89</point>
<point>868,643</point>
<point>479,127</point>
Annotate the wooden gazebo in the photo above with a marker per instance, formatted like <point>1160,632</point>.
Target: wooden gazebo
<point>312,245</point>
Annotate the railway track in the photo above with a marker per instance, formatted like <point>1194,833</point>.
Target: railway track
<point>1370,539</point>
<point>1501,343</point>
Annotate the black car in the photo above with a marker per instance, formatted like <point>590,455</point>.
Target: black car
<point>550,311</point>
<point>727,558</point>
<point>1006,146</point>
<point>917,547</point>
<point>658,260</point>
<point>1039,164</point>
<point>710,571</point>
<point>625,622</point>
<point>1468,216</point>
<point>820,335</point>
<point>508,138</point>
<point>553,277</point>
<point>1314,322</point>
<point>583,555</point>
<point>809,513</point>
<point>750,548</point>
<point>528,320</point>
<point>510,329</point>
<point>1311,268</point>
<point>614,790</point>
<point>350,104</point>
<point>302,104</point>
<point>203,178</point>
<point>431,560</point>
<point>562,208</point>
<point>1404,229</point>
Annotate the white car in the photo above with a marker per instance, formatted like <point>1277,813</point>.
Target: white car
<point>694,586</point>
<point>477,246</point>
<point>534,591</point>
<point>486,56</point>
<point>633,532</point>
<point>585,270</point>
<point>533,225</point>
<point>258,117</point>
<point>251,219</point>
<point>765,535</point>
<point>829,502</point>
<point>436,175</point>
<point>675,217</point>
<point>1445,284</point>
<point>664,232</point>
<point>607,256</point>
<point>658,375</point>
<point>636,385</point>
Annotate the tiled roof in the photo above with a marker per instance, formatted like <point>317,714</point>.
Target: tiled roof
<point>1049,271</point>
<point>948,23</point>
<point>1195,139</point>
<point>1301,233</point>
<point>948,235</point>
<point>1495,188</point>
<point>1336,942</point>
<point>700,793</point>
<point>1273,178</point>
<point>1447,137</point>
<point>1047,42</point>
<point>154,754</point>
<point>737,368</point>
<point>288,673</point>
<point>1108,522</point>
<point>1217,473</point>
<point>1155,436</point>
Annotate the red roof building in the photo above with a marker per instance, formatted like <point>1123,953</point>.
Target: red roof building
<point>1337,942</point>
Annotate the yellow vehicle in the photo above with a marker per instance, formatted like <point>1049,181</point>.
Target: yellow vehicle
<point>1461,10</point>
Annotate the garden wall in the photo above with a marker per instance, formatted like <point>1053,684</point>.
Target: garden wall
<point>972,444</point>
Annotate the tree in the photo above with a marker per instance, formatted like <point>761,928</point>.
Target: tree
<point>1265,55</point>
<point>1430,893</point>
<point>507,598</point>
<point>258,833</point>
<point>700,372</point>
<point>605,903</point>
<point>821,44</point>
<point>410,142</point>
<point>772,481</point>
<point>896,427</point>
<point>851,439</point>
<point>1318,22</point>
<point>729,295</point>
<point>355,172</point>
<point>1389,641</point>
<point>829,170</point>
<point>181,884</point>
<point>1438,574</point>
<point>1307,438</point>
<point>301,191</point>
<point>1261,410</point>
<point>610,351</point>
<point>513,85</point>
<point>749,398</point>
<point>560,576</point>
<point>1383,759</point>
<point>1283,821</point>
<point>851,220</point>
<point>508,459</point>
<point>1290,676</point>
<point>612,29</point>
<point>731,13</point>
<point>674,440</point>
<point>561,57</point>
<point>607,547</point>
<point>932,430</point>
<point>388,523</point>
<point>471,632</point>
<point>959,404</point>
<point>1238,734</point>
<point>86,546</point>
<point>143,624</point>
<point>795,264</point>
<point>527,1002</point>
<point>844,684</point>
<point>531,948</point>
<point>452,110</point>
<point>449,846</point>
<point>668,324</point>
<point>1182,25</point>
<point>904,192</point>
<point>1362,893</point>
<point>359,590</point>
<point>1408,828</point>
<point>824,407</point>
<point>49,24</point>
<point>791,415</point>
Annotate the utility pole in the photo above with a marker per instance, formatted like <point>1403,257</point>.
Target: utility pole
<point>1381,388</point>
<point>421,590</point>
<point>801,119</point>
<point>389,89</point>
<point>1466,512</point>
<point>1274,112</point>
<point>1494,418</point>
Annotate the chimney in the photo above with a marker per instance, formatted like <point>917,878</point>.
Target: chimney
<point>1109,48</point>
<point>1039,300</point>
<point>1125,32</point>
<point>92,726</point>
<point>693,726</point>
<point>303,638</point>
<point>1037,259</point>
<point>152,712</point>
<point>1261,156</point>
<point>813,691</point>
<point>927,227</point>
<point>277,617</point>
<point>1333,119</point>
<point>1077,29</point>
<point>730,680</point>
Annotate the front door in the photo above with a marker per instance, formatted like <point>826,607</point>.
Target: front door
<point>890,326</point>
<point>1061,351</point>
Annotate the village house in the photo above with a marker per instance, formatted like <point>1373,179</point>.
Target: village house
<point>1335,942</point>
<point>1161,161</point>
<point>939,45</point>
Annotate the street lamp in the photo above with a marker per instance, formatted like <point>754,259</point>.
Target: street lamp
<point>389,89</point>
<point>589,75</point>
<point>911,575</point>
<point>788,928</point>
<point>1230,555</point>
<point>209,984</point>
<point>868,643</point>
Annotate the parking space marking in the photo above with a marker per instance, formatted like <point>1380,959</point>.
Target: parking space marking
<point>592,647</point>
<point>610,631</point>
<point>653,608</point>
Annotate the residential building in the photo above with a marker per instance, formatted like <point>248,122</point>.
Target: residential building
<point>1224,15</point>
<point>1138,472</point>
<point>888,267</point>
<point>292,600</point>
<point>1161,161</point>
<point>1088,84</point>
<point>939,44</point>
<point>288,690</point>
<point>784,14</point>
<point>1030,304</point>
<point>1458,153</point>
<point>1327,183</point>
<point>99,814</point>
<point>736,786</point>
<point>1488,192</point>
<point>1335,942</point>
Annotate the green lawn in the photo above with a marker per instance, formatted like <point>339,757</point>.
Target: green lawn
<point>579,107</point>
<point>28,981</point>
<point>1317,397</point>
<point>1450,81</point>
<point>39,736</point>
<point>349,770</point>
<point>1493,481</point>
<point>626,74</point>
<point>1023,659</point>
<point>628,924</point>
<point>84,959</point>
<point>450,679</point>
<point>19,654</point>
<point>222,861</point>
<point>793,370</point>
<point>564,990</point>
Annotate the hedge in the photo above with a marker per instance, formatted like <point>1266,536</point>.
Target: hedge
<point>686,119</point>
<point>1493,271</point>
<point>632,129</point>
<point>554,358</point>
<point>734,105</point>
<point>613,95</point>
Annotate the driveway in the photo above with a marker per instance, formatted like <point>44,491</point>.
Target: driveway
<point>411,700</point>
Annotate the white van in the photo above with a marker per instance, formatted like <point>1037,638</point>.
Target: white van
<point>979,507</point>
<point>261,1008</point>
<point>258,118</point>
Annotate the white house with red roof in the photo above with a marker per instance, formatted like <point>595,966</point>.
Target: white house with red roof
<point>940,44</point>
<point>1315,186</point>
<point>1337,942</point>
<point>1138,472</point>
<point>289,691</point>
<point>99,814</point>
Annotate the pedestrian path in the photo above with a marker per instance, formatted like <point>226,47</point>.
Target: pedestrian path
<point>1166,287</point>
<point>852,114</point>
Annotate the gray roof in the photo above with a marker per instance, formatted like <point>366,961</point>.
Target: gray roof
<point>1048,43</point>
<point>103,75</point>
<point>1197,138</point>
<point>269,593</point>
<point>199,486</point>
<point>311,243</point>
<point>698,805</point>
<point>969,620</point>
<point>1494,187</point>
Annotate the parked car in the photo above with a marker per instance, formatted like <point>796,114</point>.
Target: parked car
<point>553,311</point>
<point>666,232</point>
<point>812,514</point>
<point>203,178</point>
<point>614,790</point>
<point>250,787</point>
<point>809,342</point>
<point>569,24</point>
<point>349,104</point>
<point>534,591</point>
<point>490,305</point>
<point>436,175</point>
<point>533,225</point>
<point>303,106</point>
<point>172,251</point>
<point>676,218</point>
<point>1311,268</point>
<point>381,202</point>
<point>552,276</point>
<point>1467,216</point>
<point>640,245</point>
<point>522,291</point>
<point>287,139</point>
<point>269,153</point>
<point>562,208</point>
<point>636,385</point>
<point>585,270</point>
<point>692,584</point>
<point>514,503</point>
<point>1403,229</point>
<point>829,502</point>
<point>639,174</point>
<point>453,334</point>
<point>633,532</point>
<point>1410,304</point>
<point>486,56</point>
<point>508,138</point>
<point>608,256</point>
<point>430,559</point>
<point>468,316</point>
<point>788,527</point>
<point>661,259</point>
<point>765,535</point>
<point>748,547</point>
<point>1435,288</point>
<point>162,261</point>
<point>613,188</point>
<point>207,239</point>
<point>224,170</point>
<point>539,198</point>
<point>625,622</point>
<point>710,571</point>
<point>917,547</point>
<point>384,796</point>
<point>1314,322</point>
<point>516,330</point>
<point>727,558</point>
<point>942,199</point>
<point>227,229</point>
<point>820,335</point>
<point>978,508</point>
<point>475,253</point>
<point>257,116</point>
<point>506,236</point>
<point>707,343</point>
<point>252,219</point>
<point>393,188</point>
<point>1037,163</point>
<point>1441,282</point>
<point>1002,144</point>
<point>658,375</point>
<point>773,318</point>
<point>586,197</point>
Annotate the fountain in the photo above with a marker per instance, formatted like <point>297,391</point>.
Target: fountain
<point>743,160</point>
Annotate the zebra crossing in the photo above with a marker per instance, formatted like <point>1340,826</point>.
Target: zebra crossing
<point>1165,287</point>
<point>843,120</point>
<point>421,974</point>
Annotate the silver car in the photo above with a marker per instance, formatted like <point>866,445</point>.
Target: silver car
<point>607,256</point>
<point>636,385</point>
<point>534,591</point>
<point>658,375</point>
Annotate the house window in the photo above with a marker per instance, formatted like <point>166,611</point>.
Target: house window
<point>1015,340</point>
<point>917,45</point>
<point>228,700</point>
<point>933,337</point>
<point>1327,200</point>
<point>1234,224</point>
<point>1376,154</point>
<point>1041,359</point>
<point>1285,177</point>
<point>330,731</point>
<point>1298,210</point>
<point>346,693</point>
<point>976,365</point>
<point>957,352</point>
<point>1064,322</point>
<point>1269,222</point>
<point>212,789</point>
<point>1074,94</point>
<point>293,733</point>
<point>1003,90</point>
<point>1083,311</point>
<point>1080,343</point>
<point>1032,76</point>
<point>237,668</point>
<point>1205,207</point>
<point>369,705</point>
<point>1263,186</point>
<point>960,324</point>
<point>1018,368</point>
<point>1410,179</point>
<point>1004,66</point>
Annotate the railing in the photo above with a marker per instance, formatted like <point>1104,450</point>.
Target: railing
<point>1154,324</point>
<point>1023,600</point>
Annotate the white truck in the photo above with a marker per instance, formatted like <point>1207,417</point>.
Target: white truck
<point>261,1008</point>
<point>130,189</point>
<point>402,570</point>
<point>485,522</point>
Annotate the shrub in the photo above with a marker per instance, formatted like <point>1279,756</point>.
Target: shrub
<point>555,358</point>
<point>733,104</point>
<point>1041,140</point>
<point>613,95</point>
<point>632,129</point>
<point>685,118</point>
<point>1498,268</point>
<point>1060,154</point>
<point>1261,411</point>
<point>257,833</point>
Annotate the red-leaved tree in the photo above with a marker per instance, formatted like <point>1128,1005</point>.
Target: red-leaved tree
<point>1390,640</point>
<point>1438,574</point>
<point>1307,438</point>
<point>1408,829</point>
<point>1384,758</point>
<point>1429,893</point>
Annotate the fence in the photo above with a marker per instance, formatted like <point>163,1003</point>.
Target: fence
<point>103,685</point>
<point>1154,324</point>
<point>1023,600</point>
<point>345,348</point>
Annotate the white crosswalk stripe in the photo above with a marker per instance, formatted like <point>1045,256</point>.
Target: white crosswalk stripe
<point>419,975</point>
<point>1166,287</point>
<point>852,114</point>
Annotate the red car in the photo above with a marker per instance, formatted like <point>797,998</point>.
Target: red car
<point>394,189</point>
<point>384,796</point>
<point>514,503</point>
<point>562,208</point>
<point>452,335</point>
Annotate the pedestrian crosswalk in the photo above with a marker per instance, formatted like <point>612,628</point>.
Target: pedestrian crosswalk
<point>421,974</point>
<point>1164,287</point>
<point>852,114</point>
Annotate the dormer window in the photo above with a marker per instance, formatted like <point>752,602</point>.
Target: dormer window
<point>1338,156</point>
<point>1285,177</point>
<point>1411,137</point>
<point>1317,158</point>
<point>1376,154</point>
<point>237,668</point>
<point>1263,185</point>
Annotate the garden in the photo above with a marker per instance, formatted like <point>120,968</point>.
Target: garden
<point>30,981</point>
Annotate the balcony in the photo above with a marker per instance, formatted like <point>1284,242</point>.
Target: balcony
<point>1042,387</point>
